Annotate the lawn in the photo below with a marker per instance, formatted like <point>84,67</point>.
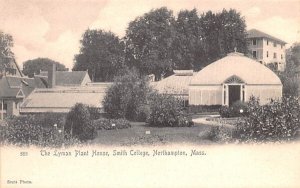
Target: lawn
<point>138,134</point>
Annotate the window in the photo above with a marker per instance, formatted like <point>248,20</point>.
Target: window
<point>275,56</point>
<point>281,56</point>
<point>275,44</point>
<point>267,53</point>
<point>254,41</point>
<point>267,42</point>
<point>4,106</point>
<point>254,54</point>
<point>281,46</point>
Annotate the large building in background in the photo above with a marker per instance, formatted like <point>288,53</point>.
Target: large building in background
<point>266,49</point>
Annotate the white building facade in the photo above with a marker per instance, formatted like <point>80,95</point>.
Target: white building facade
<point>267,49</point>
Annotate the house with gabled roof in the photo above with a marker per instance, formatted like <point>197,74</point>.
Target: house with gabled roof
<point>63,91</point>
<point>14,89</point>
<point>66,78</point>
<point>266,49</point>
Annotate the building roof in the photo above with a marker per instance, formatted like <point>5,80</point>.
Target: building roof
<point>11,86</point>
<point>177,84</point>
<point>62,99</point>
<point>66,78</point>
<point>236,64</point>
<point>254,33</point>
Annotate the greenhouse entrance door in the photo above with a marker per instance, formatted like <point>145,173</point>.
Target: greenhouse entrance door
<point>234,93</point>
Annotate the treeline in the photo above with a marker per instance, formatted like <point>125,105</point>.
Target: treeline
<point>158,42</point>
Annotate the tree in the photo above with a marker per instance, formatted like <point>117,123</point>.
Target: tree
<point>101,53</point>
<point>149,41</point>
<point>34,66</point>
<point>293,56</point>
<point>188,48</point>
<point>127,97</point>
<point>290,83</point>
<point>223,32</point>
<point>78,123</point>
<point>6,55</point>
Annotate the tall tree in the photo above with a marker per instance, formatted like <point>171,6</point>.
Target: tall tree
<point>293,55</point>
<point>149,41</point>
<point>222,33</point>
<point>6,55</point>
<point>188,46</point>
<point>101,53</point>
<point>34,66</point>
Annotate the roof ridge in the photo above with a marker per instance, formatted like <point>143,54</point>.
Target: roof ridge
<point>263,35</point>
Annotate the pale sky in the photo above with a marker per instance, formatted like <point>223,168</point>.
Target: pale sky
<point>53,28</point>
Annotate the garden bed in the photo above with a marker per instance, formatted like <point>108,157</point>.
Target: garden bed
<point>226,121</point>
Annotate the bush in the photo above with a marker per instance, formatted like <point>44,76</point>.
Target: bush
<point>127,96</point>
<point>221,134</point>
<point>166,110</point>
<point>94,112</point>
<point>34,129</point>
<point>237,109</point>
<point>273,122</point>
<point>109,124</point>
<point>203,108</point>
<point>78,123</point>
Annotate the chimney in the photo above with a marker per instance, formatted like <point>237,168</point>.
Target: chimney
<point>52,76</point>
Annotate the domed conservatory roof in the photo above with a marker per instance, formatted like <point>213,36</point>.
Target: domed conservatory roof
<point>236,64</point>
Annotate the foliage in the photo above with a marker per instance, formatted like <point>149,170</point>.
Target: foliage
<point>237,109</point>
<point>157,43</point>
<point>221,134</point>
<point>166,110</point>
<point>276,121</point>
<point>222,32</point>
<point>188,47</point>
<point>34,129</point>
<point>149,41</point>
<point>78,123</point>
<point>101,53</point>
<point>127,96</point>
<point>6,55</point>
<point>34,66</point>
<point>203,108</point>
<point>94,112</point>
<point>293,55</point>
<point>109,124</point>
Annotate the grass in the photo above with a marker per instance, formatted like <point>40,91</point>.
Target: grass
<point>136,135</point>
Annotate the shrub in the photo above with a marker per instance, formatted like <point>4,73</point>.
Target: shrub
<point>273,122</point>
<point>127,96</point>
<point>203,108</point>
<point>34,129</point>
<point>166,110</point>
<point>94,112</point>
<point>109,124</point>
<point>78,123</point>
<point>237,109</point>
<point>221,134</point>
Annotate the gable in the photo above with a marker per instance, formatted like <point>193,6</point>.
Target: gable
<point>234,80</point>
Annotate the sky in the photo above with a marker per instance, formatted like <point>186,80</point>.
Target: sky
<point>53,28</point>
